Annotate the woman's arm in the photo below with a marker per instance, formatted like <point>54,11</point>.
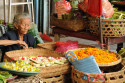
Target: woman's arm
<point>8,42</point>
<point>11,42</point>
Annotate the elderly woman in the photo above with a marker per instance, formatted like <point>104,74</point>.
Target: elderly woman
<point>19,38</point>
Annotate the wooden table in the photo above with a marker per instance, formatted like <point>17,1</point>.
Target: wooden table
<point>86,35</point>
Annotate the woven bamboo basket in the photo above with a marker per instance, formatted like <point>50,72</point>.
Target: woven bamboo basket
<point>105,64</point>
<point>110,28</point>
<point>52,46</point>
<point>45,71</point>
<point>73,25</point>
<point>112,77</point>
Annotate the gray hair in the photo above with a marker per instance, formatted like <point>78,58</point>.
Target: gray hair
<point>17,17</point>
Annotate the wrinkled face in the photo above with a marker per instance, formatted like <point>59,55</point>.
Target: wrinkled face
<point>23,26</point>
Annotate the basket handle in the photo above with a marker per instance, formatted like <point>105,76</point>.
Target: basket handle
<point>68,54</point>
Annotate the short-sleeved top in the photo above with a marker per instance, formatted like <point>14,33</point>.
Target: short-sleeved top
<point>13,35</point>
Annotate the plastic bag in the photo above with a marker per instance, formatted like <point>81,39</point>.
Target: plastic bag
<point>92,7</point>
<point>107,9</point>
<point>95,8</point>
<point>83,5</point>
<point>65,46</point>
<point>62,7</point>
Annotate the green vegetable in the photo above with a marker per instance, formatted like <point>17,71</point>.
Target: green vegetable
<point>56,0</point>
<point>3,78</point>
<point>118,14</point>
<point>8,76</point>
<point>122,52</point>
<point>4,72</point>
<point>1,81</point>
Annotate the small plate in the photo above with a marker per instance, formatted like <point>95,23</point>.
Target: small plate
<point>18,72</point>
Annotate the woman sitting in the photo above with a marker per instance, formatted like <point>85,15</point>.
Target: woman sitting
<point>18,38</point>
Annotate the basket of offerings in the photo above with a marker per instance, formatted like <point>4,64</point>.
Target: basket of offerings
<point>50,62</point>
<point>103,58</point>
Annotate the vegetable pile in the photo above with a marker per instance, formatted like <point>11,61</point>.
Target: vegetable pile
<point>118,14</point>
<point>100,56</point>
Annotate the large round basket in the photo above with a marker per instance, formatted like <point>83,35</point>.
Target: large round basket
<point>112,77</point>
<point>73,25</point>
<point>105,64</point>
<point>45,71</point>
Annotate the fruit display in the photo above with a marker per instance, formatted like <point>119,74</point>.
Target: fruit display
<point>39,61</point>
<point>20,66</point>
<point>101,56</point>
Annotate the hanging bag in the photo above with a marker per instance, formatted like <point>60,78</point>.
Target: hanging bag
<point>62,7</point>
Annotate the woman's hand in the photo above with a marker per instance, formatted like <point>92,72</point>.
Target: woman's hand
<point>23,44</point>
<point>30,48</point>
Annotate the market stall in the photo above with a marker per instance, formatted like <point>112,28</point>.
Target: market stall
<point>71,62</point>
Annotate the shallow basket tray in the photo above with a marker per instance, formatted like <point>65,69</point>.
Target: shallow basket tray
<point>45,71</point>
<point>106,64</point>
<point>52,46</point>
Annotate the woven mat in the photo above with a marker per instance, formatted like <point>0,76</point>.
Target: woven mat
<point>27,79</point>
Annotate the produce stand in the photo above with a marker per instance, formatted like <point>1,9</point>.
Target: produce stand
<point>108,63</point>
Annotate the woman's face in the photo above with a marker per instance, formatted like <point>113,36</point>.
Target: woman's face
<point>23,26</point>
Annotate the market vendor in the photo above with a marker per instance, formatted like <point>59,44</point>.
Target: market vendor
<point>19,38</point>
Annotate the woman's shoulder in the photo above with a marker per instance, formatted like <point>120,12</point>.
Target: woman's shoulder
<point>11,33</point>
<point>30,36</point>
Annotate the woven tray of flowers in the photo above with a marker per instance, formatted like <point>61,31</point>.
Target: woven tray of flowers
<point>51,63</point>
<point>104,58</point>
